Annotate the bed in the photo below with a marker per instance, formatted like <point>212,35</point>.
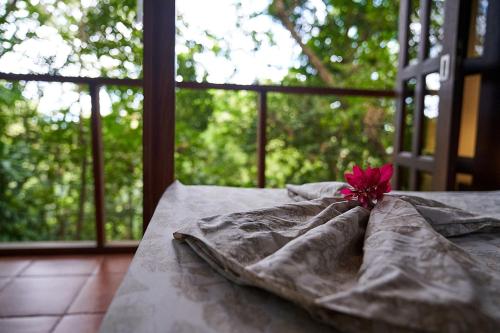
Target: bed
<point>169,288</point>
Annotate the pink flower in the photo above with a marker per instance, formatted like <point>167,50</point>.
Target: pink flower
<point>368,186</point>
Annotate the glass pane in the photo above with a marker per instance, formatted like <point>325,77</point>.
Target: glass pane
<point>414,31</point>
<point>216,137</point>
<point>72,38</point>
<point>408,113</point>
<point>404,178</point>
<point>244,41</point>
<point>46,182</point>
<point>436,30</point>
<point>424,181</point>
<point>478,28</point>
<point>121,112</point>
<point>463,181</point>
<point>468,121</point>
<point>431,113</point>
<point>319,138</point>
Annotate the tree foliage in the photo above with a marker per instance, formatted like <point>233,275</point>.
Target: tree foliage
<point>46,180</point>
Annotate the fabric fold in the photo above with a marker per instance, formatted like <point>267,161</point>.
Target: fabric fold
<point>389,269</point>
<point>412,275</point>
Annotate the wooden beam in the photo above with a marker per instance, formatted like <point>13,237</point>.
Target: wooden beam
<point>98,165</point>
<point>103,81</point>
<point>448,124</point>
<point>328,91</point>
<point>262,140</point>
<point>404,18</point>
<point>74,79</point>
<point>67,248</point>
<point>486,166</point>
<point>159,102</point>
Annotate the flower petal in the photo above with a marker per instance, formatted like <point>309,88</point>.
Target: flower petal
<point>352,180</point>
<point>360,178</point>
<point>346,191</point>
<point>372,176</point>
<point>381,189</point>
<point>386,173</point>
<point>358,172</point>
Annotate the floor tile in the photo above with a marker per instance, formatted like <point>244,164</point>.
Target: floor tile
<point>39,295</point>
<point>11,267</point>
<point>115,263</point>
<point>87,323</point>
<point>97,293</point>
<point>27,324</point>
<point>62,266</point>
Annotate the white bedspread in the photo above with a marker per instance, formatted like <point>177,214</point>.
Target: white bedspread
<point>170,289</point>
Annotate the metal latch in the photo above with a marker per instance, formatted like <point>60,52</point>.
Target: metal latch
<point>444,68</point>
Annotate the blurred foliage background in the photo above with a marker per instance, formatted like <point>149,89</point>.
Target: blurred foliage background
<point>46,181</point>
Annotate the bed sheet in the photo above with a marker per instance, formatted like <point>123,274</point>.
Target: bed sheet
<point>168,288</point>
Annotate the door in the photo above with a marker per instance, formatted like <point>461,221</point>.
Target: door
<point>432,36</point>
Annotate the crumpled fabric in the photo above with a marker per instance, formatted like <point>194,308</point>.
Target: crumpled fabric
<point>391,269</point>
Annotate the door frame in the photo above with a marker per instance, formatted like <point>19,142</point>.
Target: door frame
<point>442,164</point>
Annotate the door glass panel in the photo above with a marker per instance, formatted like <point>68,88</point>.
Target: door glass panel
<point>463,181</point>
<point>468,121</point>
<point>408,113</point>
<point>431,112</point>
<point>436,30</point>
<point>424,181</point>
<point>404,178</point>
<point>478,28</point>
<point>414,31</point>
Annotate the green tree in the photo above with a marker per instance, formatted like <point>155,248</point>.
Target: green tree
<point>46,180</point>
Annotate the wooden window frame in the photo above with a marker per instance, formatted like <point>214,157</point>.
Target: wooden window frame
<point>443,164</point>
<point>159,87</point>
<point>485,166</point>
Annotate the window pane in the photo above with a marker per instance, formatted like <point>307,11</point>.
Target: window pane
<point>468,121</point>
<point>478,28</point>
<point>46,181</point>
<point>436,30</point>
<point>216,137</point>
<point>121,112</point>
<point>414,31</point>
<point>319,138</point>
<point>404,178</point>
<point>244,41</point>
<point>71,38</point>
<point>424,181</point>
<point>431,113</point>
<point>408,113</point>
<point>463,181</point>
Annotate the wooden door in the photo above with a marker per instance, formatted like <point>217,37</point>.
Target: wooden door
<point>432,36</point>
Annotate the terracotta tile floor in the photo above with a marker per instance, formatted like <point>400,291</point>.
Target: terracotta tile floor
<point>59,293</point>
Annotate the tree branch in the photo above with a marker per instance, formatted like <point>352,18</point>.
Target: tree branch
<point>282,15</point>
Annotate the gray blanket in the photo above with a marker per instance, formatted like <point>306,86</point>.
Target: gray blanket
<point>389,269</point>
